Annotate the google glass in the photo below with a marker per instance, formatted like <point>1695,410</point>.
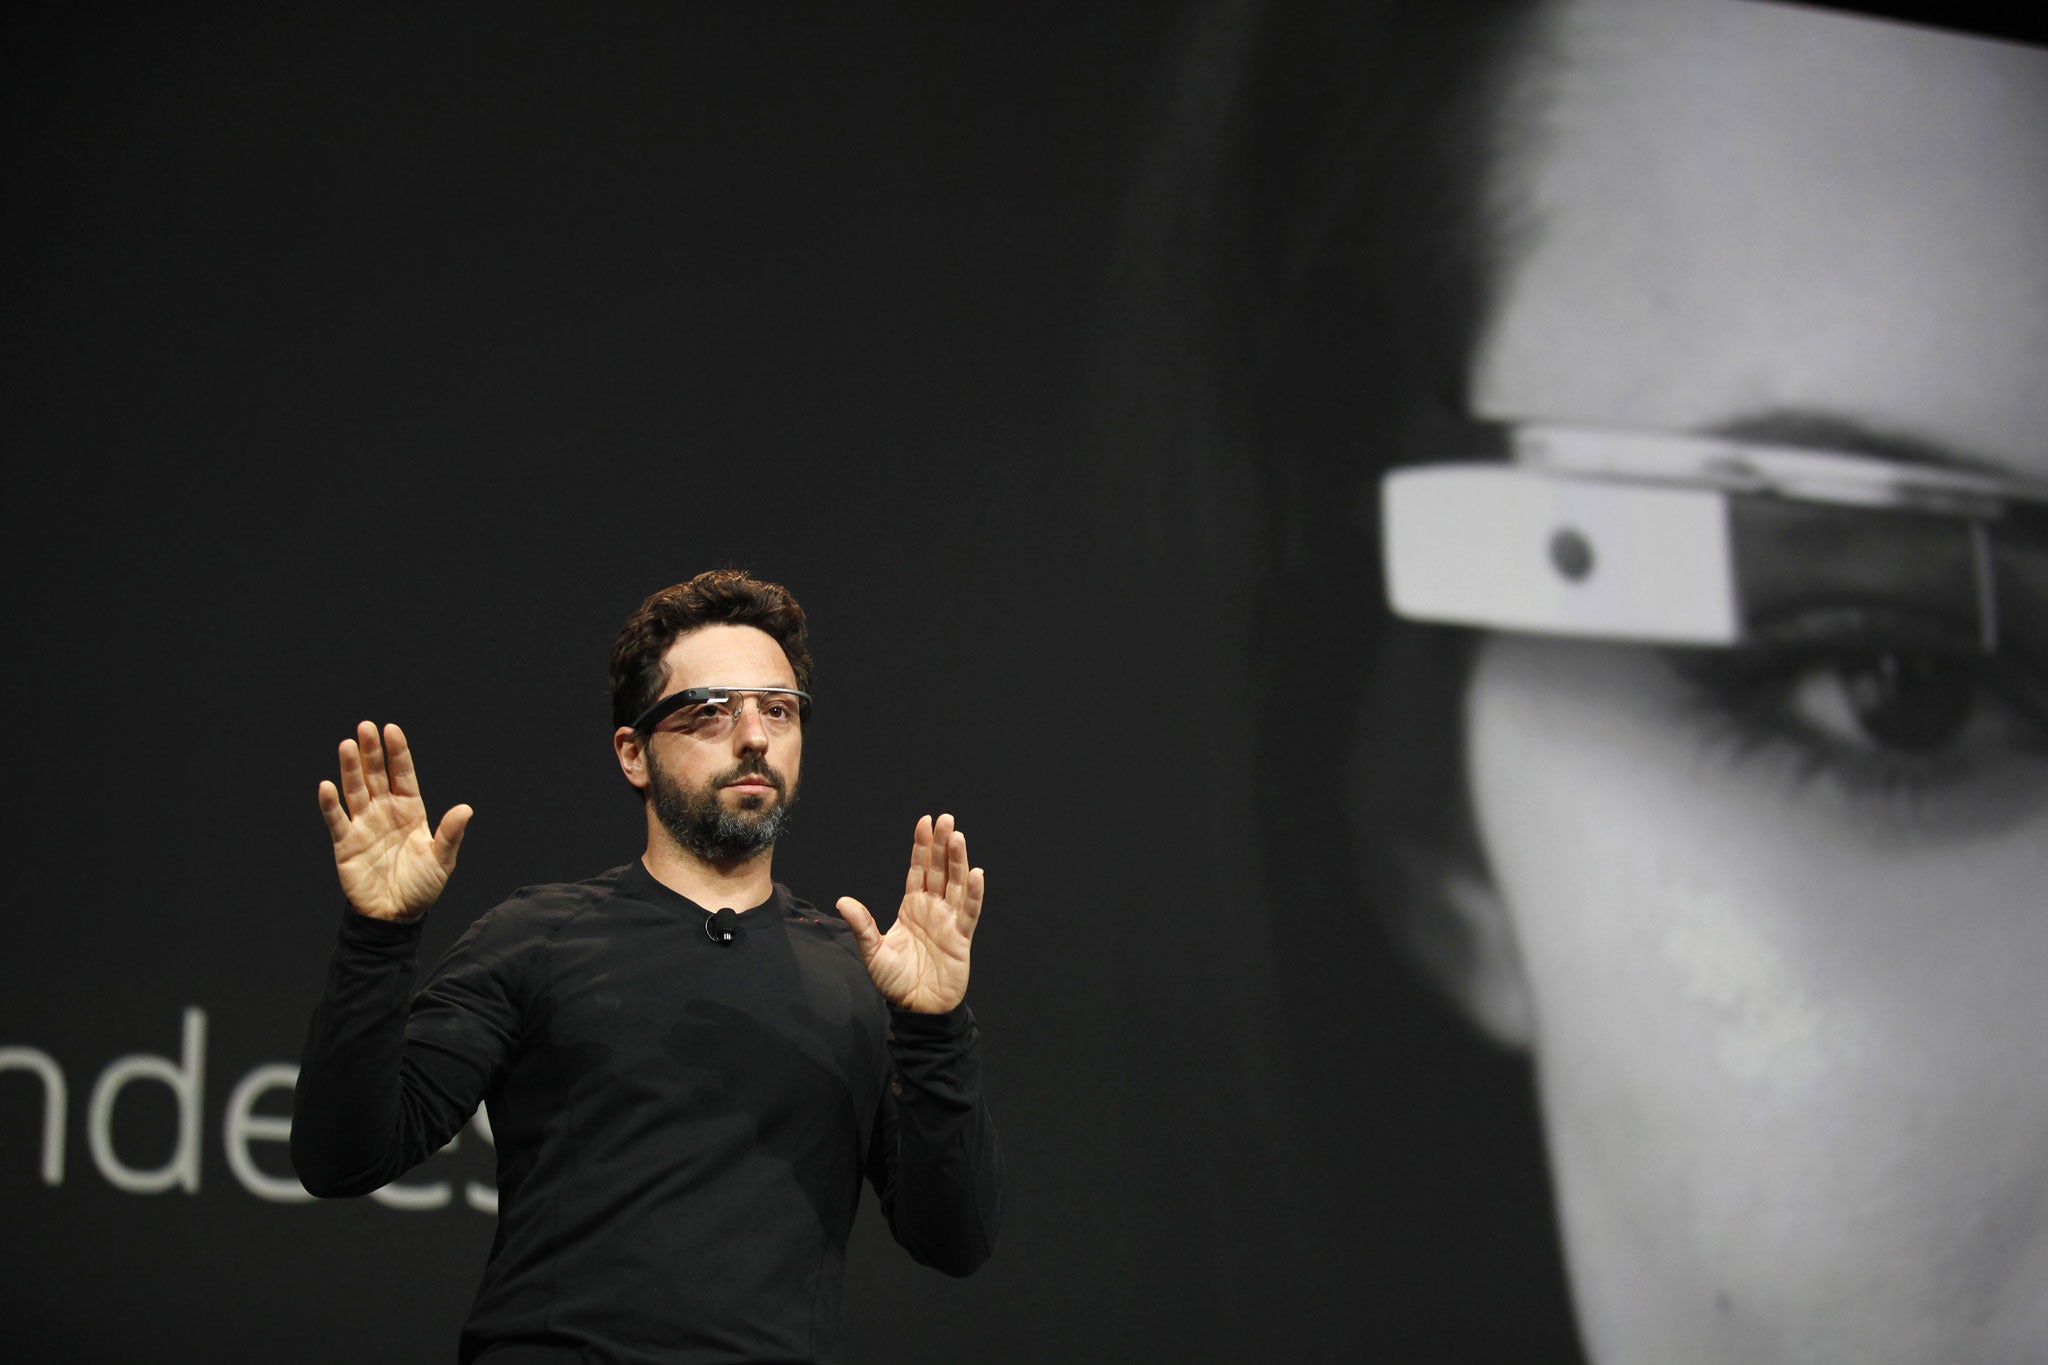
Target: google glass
<point>1700,540</point>
<point>723,701</point>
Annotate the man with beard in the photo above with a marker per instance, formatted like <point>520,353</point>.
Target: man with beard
<point>685,1096</point>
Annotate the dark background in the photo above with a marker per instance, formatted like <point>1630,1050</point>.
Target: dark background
<point>377,363</point>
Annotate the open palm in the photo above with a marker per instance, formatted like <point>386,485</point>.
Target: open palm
<point>921,963</point>
<point>391,866</point>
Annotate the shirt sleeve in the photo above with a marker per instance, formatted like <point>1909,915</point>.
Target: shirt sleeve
<point>386,1078</point>
<point>935,1161</point>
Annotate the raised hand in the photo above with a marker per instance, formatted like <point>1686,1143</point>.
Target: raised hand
<point>391,867</point>
<point>921,963</point>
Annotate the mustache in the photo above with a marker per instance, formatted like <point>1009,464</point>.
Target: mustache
<point>755,767</point>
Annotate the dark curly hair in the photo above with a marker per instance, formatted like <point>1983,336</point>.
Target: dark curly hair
<point>715,597</point>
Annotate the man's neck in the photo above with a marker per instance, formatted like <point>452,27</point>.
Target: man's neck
<point>713,885</point>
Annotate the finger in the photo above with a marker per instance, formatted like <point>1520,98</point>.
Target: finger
<point>404,780</point>
<point>935,868</point>
<point>448,838</point>
<point>374,777</point>
<point>920,854</point>
<point>331,811</point>
<point>862,923</point>
<point>352,789</point>
<point>956,869</point>
<point>970,911</point>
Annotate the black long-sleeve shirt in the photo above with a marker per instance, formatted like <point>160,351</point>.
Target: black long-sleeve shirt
<point>682,1125</point>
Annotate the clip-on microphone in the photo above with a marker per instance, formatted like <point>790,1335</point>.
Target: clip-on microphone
<point>722,925</point>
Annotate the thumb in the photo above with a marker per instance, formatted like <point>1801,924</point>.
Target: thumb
<point>861,922</point>
<point>448,838</point>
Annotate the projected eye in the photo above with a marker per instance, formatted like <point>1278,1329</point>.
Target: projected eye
<point>1910,703</point>
<point>1915,725</point>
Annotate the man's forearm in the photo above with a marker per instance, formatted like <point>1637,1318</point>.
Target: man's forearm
<point>943,1197</point>
<point>348,1133</point>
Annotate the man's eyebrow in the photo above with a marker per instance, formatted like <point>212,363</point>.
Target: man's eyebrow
<point>1806,429</point>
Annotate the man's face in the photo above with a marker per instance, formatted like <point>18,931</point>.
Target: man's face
<point>1790,1019</point>
<point>728,798</point>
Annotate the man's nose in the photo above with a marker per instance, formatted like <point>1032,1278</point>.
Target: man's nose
<point>750,732</point>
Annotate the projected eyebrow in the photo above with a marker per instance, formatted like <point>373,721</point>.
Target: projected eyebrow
<point>1802,429</point>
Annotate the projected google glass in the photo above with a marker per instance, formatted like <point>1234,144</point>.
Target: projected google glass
<point>1699,540</point>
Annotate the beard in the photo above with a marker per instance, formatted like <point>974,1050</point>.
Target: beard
<point>714,832</point>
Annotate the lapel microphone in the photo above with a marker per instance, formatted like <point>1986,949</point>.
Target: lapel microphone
<point>722,925</point>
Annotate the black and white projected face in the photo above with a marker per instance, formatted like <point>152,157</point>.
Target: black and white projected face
<point>1782,908</point>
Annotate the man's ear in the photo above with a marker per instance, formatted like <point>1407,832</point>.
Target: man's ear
<point>1454,924</point>
<point>631,747</point>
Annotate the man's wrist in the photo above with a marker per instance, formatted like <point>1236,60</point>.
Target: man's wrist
<point>956,1022</point>
<point>376,930</point>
